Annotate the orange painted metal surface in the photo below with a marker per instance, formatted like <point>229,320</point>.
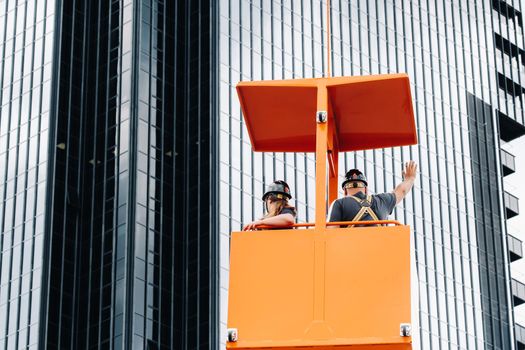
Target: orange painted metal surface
<point>334,223</point>
<point>321,147</point>
<point>323,287</point>
<point>369,112</point>
<point>329,288</point>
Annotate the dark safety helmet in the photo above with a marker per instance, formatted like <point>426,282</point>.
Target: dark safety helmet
<point>279,189</point>
<point>356,176</point>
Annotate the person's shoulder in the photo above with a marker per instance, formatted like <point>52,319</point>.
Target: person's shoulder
<point>289,210</point>
<point>386,200</point>
<point>339,201</point>
<point>385,196</point>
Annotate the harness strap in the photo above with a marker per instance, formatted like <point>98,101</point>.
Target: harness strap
<point>366,208</point>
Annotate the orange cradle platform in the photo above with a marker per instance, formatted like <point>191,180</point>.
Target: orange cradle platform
<point>348,288</point>
<point>312,286</point>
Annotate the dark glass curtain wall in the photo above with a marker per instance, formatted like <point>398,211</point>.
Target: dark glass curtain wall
<point>130,248</point>
<point>488,224</point>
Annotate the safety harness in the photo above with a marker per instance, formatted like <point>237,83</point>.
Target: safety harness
<point>366,208</point>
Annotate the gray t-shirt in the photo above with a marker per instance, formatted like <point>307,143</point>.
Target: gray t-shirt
<point>346,208</point>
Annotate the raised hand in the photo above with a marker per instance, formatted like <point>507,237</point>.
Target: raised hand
<point>410,171</point>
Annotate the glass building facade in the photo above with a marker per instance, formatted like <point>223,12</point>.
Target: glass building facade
<point>125,162</point>
<point>27,63</point>
<point>105,162</point>
<point>452,54</point>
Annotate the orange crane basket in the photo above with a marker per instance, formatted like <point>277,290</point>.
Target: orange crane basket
<point>321,287</point>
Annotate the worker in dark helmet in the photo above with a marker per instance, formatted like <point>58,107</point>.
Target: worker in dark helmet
<point>359,205</point>
<point>279,213</point>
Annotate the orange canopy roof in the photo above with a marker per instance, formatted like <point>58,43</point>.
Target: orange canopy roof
<point>369,112</point>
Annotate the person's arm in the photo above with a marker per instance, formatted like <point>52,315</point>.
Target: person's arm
<point>334,214</point>
<point>281,220</point>
<point>409,176</point>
